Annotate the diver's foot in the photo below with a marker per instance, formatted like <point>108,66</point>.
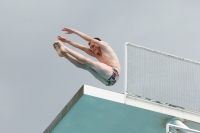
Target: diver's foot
<point>59,47</point>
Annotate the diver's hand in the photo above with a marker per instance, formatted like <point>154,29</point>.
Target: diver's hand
<point>68,30</point>
<point>63,39</point>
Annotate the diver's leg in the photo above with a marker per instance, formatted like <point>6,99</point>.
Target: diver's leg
<point>70,58</point>
<point>96,75</point>
<point>85,67</point>
<point>102,69</point>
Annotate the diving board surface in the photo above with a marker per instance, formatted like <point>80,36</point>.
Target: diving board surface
<point>98,110</point>
<point>96,115</point>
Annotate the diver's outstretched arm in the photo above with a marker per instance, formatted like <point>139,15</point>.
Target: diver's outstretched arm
<point>76,45</point>
<point>84,36</point>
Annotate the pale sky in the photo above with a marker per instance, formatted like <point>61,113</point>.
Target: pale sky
<point>35,84</point>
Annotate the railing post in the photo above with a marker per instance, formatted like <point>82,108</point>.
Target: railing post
<point>125,73</point>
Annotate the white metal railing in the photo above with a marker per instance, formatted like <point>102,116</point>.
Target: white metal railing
<point>162,77</point>
<point>125,72</point>
<point>168,126</point>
